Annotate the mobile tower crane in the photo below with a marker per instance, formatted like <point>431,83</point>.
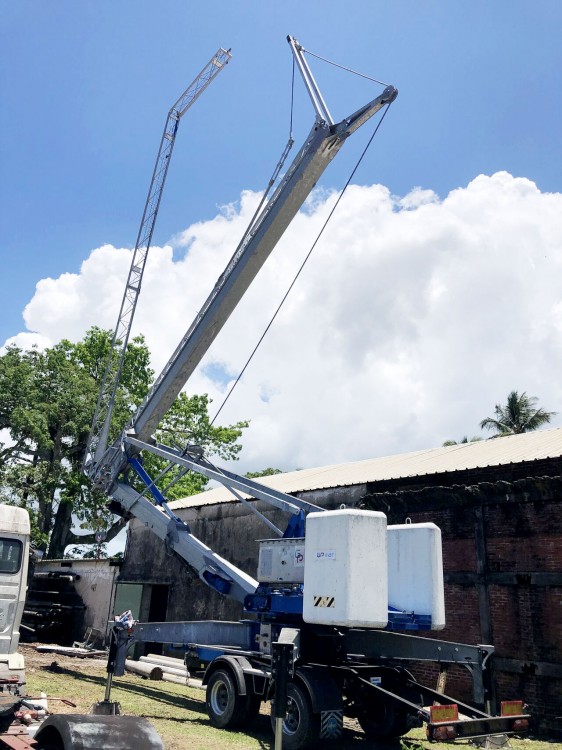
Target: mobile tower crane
<point>334,659</point>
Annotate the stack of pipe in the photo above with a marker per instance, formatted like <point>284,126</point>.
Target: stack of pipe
<point>157,667</point>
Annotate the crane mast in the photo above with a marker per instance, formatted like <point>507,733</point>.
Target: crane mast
<point>320,147</point>
<point>110,467</point>
<point>316,644</point>
<point>322,144</point>
<point>99,432</point>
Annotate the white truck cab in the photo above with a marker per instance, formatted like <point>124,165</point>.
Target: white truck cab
<point>14,558</point>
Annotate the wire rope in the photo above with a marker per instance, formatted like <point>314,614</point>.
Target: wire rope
<point>280,163</point>
<point>304,262</point>
<point>342,67</point>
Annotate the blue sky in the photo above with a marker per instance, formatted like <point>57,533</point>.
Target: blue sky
<point>86,87</point>
<point>435,290</point>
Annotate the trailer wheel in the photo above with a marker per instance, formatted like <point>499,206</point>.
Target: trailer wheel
<point>381,720</point>
<point>377,720</point>
<point>225,706</point>
<point>249,709</point>
<point>301,727</point>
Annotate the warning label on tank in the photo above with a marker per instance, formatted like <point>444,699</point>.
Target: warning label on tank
<point>324,601</point>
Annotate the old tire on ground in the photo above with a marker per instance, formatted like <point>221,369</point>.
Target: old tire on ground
<point>89,732</point>
<point>225,706</point>
<point>301,727</point>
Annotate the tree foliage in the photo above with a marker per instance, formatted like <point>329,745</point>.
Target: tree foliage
<point>519,414</point>
<point>187,423</point>
<point>464,439</point>
<point>47,401</point>
<point>263,473</point>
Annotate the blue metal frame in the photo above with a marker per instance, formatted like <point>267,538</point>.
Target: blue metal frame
<point>136,464</point>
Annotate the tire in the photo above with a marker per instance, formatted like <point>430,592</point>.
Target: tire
<point>225,706</point>
<point>378,720</point>
<point>249,709</point>
<point>301,727</point>
<point>50,740</point>
<point>93,731</point>
<point>382,720</point>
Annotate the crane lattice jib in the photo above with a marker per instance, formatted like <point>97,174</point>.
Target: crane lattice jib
<point>99,433</point>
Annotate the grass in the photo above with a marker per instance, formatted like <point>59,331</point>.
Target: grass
<point>179,714</point>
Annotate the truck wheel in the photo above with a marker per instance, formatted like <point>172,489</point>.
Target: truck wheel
<point>301,727</point>
<point>225,706</point>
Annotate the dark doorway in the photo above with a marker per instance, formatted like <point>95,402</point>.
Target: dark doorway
<point>157,612</point>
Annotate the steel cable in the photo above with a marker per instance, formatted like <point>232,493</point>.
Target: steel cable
<point>320,233</point>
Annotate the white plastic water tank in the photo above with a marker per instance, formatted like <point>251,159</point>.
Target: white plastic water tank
<point>345,573</point>
<point>415,571</point>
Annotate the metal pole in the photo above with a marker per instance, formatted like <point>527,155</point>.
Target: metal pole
<point>279,734</point>
<point>107,695</point>
<point>281,667</point>
<point>110,664</point>
<point>316,97</point>
<point>106,707</point>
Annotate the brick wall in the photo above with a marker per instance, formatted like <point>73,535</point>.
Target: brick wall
<point>517,573</point>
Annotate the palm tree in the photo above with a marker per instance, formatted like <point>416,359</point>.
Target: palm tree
<point>520,414</point>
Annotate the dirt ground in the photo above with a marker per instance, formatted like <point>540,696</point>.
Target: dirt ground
<point>35,659</point>
<point>178,712</point>
<point>49,673</point>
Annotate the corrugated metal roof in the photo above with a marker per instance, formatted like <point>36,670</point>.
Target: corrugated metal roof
<point>531,446</point>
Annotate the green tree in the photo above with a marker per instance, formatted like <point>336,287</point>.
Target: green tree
<point>263,473</point>
<point>519,414</point>
<point>187,423</point>
<point>47,400</point>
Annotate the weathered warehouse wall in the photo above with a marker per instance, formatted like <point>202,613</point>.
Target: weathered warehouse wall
<point>502,556</point>
<point>502,551</point>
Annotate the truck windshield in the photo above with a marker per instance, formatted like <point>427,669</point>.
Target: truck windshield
<point>10,555</point>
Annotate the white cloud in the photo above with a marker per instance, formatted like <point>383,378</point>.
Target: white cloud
<point>27,340</point>
<point>412,319</point>
<point>67,306</point>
